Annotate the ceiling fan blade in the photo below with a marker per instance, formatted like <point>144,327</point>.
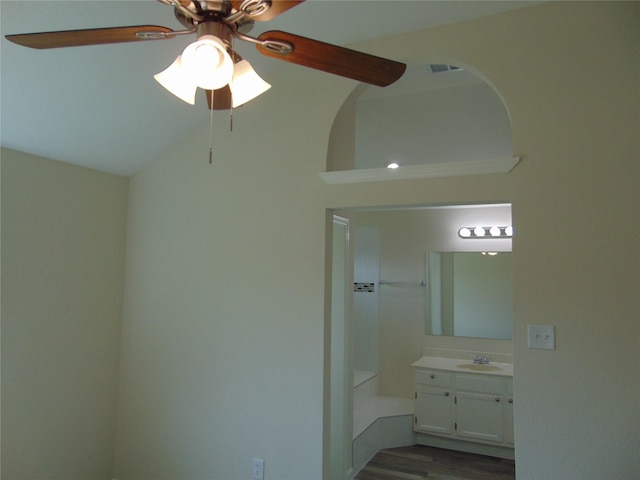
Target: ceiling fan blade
<point>333,59</point>
<point>184,3</point>
<point>277,7</point>
<point>94,36</point>
<point>221,98</point>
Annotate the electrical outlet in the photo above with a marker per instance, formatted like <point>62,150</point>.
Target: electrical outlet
<point>541,336</point>
<point>257,469</point>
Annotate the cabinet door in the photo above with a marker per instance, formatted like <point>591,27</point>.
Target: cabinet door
<point>434,410</point>
<point>479,416</point>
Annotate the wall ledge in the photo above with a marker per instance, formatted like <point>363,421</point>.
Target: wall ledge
<point>437,170</point>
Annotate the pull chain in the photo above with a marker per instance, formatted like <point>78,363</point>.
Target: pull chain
<point>211,130</point>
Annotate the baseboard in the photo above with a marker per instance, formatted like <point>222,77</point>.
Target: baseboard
<point>469,447</point>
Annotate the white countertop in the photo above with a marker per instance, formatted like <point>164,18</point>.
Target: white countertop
<point>465,366</point>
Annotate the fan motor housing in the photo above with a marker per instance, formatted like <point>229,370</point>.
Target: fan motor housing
<point>216,28</point>
<point>215,13</point>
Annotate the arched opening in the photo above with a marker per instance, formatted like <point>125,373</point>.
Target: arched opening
<point>439,119</point>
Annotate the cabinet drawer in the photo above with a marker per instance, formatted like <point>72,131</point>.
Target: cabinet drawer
<point>479,383</point>
<point>434,378</point>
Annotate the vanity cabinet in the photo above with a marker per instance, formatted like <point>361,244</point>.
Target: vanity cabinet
<point>462,406</point>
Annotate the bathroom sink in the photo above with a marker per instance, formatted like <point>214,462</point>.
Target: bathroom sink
<point>479,367</point>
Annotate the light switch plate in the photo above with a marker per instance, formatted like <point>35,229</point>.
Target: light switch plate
<point>257,469</point>
<point>541,336</point>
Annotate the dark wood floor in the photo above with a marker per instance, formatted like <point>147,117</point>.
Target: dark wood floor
<point>421,463</point>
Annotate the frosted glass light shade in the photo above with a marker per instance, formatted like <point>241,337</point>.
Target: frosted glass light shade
<point>208,62</point>
<point>178,81</point>
<point>246,84</point>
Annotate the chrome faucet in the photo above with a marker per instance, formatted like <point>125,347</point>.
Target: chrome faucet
<point>479,360</point>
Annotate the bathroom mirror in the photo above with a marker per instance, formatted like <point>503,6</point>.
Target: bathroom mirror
<point>469,294</point>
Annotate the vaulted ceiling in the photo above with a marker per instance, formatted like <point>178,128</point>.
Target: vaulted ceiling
<point>99,107</point>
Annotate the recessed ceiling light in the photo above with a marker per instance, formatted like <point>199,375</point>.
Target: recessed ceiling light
<point>393,165</point>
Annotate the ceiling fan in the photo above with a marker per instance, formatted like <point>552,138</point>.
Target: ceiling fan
<point>211,63</point>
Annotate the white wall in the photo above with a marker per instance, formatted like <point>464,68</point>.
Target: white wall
<point>223,329</point>
<point>63,245</point>
<point>224,306</point>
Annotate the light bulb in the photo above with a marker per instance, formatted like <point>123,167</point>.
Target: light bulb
<point>494,231</point>
<point>464,232</point>
<point>479,231</point>
<point>208,62</point>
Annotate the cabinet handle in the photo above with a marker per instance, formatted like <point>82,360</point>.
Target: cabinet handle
<point>510,400</point>
<point>446,394</point>
<point>497,399</point>
<point>432,376</point>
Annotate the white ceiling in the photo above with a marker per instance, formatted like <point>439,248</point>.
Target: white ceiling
<point>98,106</point>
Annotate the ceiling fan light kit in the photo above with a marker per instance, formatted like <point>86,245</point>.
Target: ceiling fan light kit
<point>204,63</point>
<point>210,62</point>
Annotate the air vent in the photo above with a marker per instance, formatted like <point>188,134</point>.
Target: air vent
<point>441,67</point>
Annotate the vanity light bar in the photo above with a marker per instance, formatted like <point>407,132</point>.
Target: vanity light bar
<point>486,232</point>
